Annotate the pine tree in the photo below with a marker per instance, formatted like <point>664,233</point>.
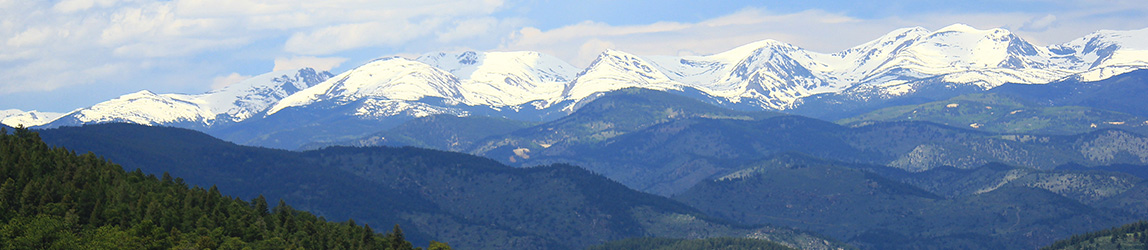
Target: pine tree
<point>435,245</point>
<point>260,205</point>
<point>397,240</point>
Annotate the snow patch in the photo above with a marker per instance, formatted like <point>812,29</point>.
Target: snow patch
<point>16,117</point>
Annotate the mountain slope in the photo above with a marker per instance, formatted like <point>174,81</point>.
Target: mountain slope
<point>387,92</point>
<point>674,154</point>
<point>442,132</point>
<point>1119,93</point>
<point>878,213</point>
<point>1129,236</point>
<point>231,104</point>
<point>502,79</point>
<point>1109,52</point>
<point>468,201</point>
<point>55,199</point>
<point>681,244</point>
<point>1001,114</point>
<point>398,80</point>
<point>16,117</point>
<point>613,114</point>
<point>241,171</point>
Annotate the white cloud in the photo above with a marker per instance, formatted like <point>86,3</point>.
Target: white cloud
<point>345,37</point>
<point>591,49</point>
<point>1039,24</point>
<point>33,36</point>
<point>317,63</point>
<point>468,28</point>
<point>71,6</point>
<point>46,45</point>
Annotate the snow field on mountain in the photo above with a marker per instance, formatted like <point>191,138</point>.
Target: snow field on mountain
<point>769,74</point>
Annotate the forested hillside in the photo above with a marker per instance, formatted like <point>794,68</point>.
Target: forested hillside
<point>469,201</point>
<point>859,205</point>
<point>1130,236</point>
<point>1000,113</point>
<point>52,198</point>
<point>682,244</point>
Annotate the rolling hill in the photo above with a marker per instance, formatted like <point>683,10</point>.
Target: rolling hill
<point>468,201</point>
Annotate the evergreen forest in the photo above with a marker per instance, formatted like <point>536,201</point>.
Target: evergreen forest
<point>53,198</point>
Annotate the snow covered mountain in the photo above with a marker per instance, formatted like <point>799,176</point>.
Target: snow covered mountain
<point>382,88</point>
<point>504,78</point>
<point>234,103</point>
<point>16,117</point>
<point>771,75</point>
<point>1108,53</point>
<point>774,75</point>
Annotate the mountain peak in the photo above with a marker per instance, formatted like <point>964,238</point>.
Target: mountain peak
<point>959,27</point>
<point>141,93</point>
<point>232,103</point>
<point>612,52</point>
<point>249,97</point>
<point>613,70</point>
<point>994,33</point>
<point>1126,39</point>
<point>451,60</point>
<point>741,52</point>
<point>16,117</point>
<point>504,78</point>
<point>767,74</point>
<point>393,78</point>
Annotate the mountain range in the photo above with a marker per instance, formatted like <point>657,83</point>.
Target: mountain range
<point>468,201</point>
<point>474,202</point>
<point>872,211</point>
<point>288,109</point>
<point>16,117</point>
<point>959,137</point>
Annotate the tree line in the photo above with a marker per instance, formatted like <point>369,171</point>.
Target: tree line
<point>1128,236</point>
<point>53,198</point>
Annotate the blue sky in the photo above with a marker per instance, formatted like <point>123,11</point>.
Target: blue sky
<point>62,55</point>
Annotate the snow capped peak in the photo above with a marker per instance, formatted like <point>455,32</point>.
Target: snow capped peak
<point>244,99</point>
<point>611,53</point>
<point>470,65</point>
<point>959,27</point>
<point>143,107</point>
<point>1108,52</point>
<point>392,78</point>
<point>865,59</point>
<point>504,78</point>
<point>16,117</point>
<point>613,56</point>
<point>453,62</point>
<point>986,58</point>
<point>614,70</point>
<point>1128,39</point>
<point>1113,40</point>
<point>768,74</point>
<point>744,51</point>
<point>138,94</point>
<point>233,103</point>
<point>909,30</point>
<point>894,38</point>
